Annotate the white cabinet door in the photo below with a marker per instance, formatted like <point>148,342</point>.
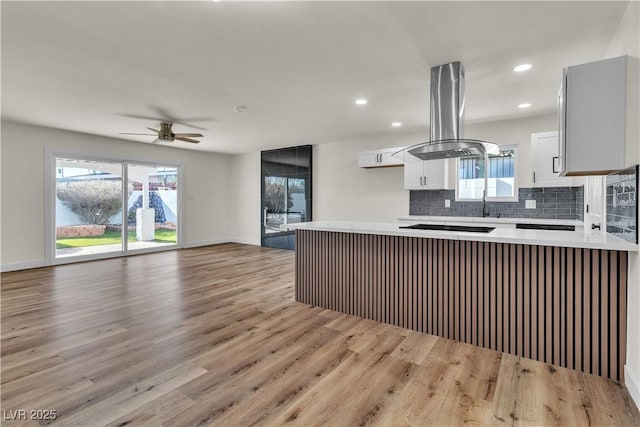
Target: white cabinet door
<point>594,203</point>
<point>546,163</point>
<point>593,117</point>
<point>436,174</point>
<point>387,158</point>
<point>413,175</point>
<point>368,159</point>
<point>379,158</point>
<point>426,175</point>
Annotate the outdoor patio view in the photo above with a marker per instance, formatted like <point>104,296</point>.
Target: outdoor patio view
<point>89,207</point>
<point>285,202</point>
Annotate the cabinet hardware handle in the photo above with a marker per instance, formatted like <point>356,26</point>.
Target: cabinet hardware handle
<point>553,164</point>
<point>534,177</point>
<point>420,181</point>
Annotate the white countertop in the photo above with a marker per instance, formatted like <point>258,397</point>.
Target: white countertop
<point>571,239</point>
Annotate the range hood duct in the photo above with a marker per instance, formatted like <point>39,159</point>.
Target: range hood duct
<point>447,120</point>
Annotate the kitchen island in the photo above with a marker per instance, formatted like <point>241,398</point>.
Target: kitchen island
<point>553,296</point>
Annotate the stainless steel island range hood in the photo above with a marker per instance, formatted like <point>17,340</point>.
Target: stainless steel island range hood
<point>447,120</point>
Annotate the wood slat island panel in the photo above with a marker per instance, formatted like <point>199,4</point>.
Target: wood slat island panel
<point>559,305</point>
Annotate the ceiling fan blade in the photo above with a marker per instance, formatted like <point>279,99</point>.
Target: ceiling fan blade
<point>164,116</point>
<point>137,116</point>
<point>155,130</point>
<point>164,113</point>
<point>180,122</point>
<point>199,135</point>
<point>187,140</point>
<point>129,133</point>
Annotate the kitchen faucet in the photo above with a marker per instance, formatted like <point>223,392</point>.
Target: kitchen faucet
<point>485,210</point>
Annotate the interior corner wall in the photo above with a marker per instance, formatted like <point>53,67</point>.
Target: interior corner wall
<point>626,41</point>
<point>245,198</point>
<point>205,186</point>
<point>344,191</point>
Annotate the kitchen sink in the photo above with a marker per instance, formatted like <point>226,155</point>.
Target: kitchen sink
<point>555,227</point>
<point>443,227</point>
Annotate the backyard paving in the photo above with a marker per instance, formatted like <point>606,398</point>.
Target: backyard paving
<point>101,249</point>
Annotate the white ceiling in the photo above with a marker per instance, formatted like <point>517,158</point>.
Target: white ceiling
<point>296,66</point>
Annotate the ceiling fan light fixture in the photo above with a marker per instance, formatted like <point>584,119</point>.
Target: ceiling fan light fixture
<point>166,134</point>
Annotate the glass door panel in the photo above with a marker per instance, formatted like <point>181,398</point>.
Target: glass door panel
<point>88,207</point>
<point>286,193</point>
<point>152,206</point>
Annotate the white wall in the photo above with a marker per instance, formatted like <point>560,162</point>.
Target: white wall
<point>626,41</point>
<point>244,201</point>
<point>205,186</point>
<point>344,191</point>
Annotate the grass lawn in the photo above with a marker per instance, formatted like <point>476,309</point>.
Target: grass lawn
<point>111,237</point>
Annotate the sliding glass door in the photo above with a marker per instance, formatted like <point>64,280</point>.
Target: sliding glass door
<point>286,193</point>
<point>88,207</point>
<point>107,208</point>
<point>152,207</point>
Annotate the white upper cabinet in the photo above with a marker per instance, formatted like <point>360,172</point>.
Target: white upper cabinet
<point>546,162</point>
<point>379,158</point>
<point>593,117</point>
<point>426,175</point>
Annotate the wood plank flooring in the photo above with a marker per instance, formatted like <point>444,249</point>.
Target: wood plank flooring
<point>212,336</point>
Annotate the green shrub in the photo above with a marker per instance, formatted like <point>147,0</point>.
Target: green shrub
<point>94,201</point>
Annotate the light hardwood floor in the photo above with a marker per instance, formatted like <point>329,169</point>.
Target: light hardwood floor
<point>213,336</point>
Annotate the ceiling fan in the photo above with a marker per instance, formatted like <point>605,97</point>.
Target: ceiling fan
<point>166,134</point>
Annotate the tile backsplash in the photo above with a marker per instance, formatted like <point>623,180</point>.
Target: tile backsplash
<point>622,204</point>
<point>551,203</point>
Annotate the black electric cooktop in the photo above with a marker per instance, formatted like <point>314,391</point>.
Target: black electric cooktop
<point>443,227</point>
<point>556,227</point>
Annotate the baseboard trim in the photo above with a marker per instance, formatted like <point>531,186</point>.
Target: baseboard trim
<point>245,241</point>
<point>205,243</point>
<point>633,385</point>
<point>23,265</point>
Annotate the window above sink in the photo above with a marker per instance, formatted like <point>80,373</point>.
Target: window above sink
<point>497,174</point>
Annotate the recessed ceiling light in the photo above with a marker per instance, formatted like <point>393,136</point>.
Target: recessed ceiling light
<point>522,67</point>
<point>361,101</point>
<point>524,105</point>
<point>396,124</point>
